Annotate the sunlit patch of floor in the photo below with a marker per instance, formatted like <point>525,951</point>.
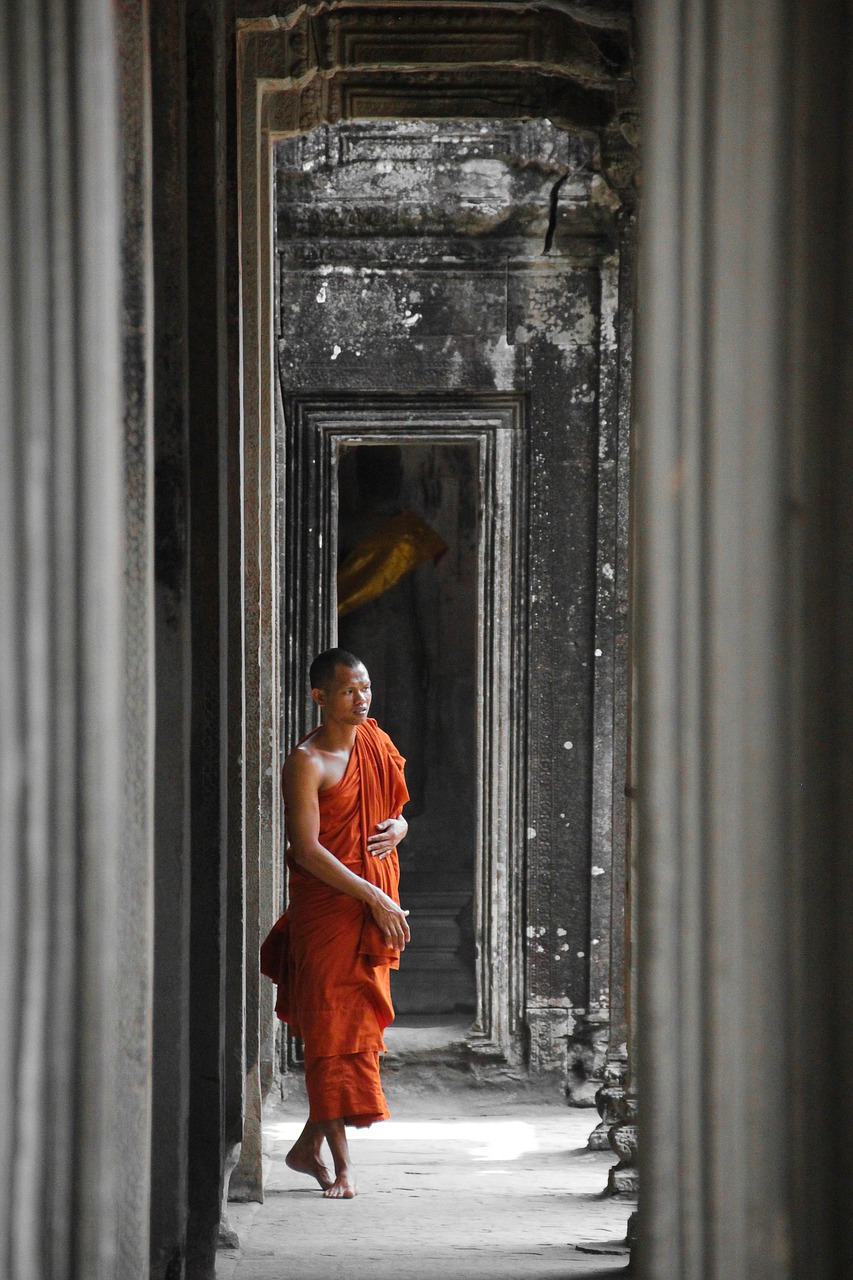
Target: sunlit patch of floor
<point>461,1183</point>
<point>486,1139</point>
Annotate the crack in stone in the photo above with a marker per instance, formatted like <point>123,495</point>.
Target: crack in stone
<point>555,195</point>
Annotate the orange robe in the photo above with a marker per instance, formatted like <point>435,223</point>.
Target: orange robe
<point>327,954</point>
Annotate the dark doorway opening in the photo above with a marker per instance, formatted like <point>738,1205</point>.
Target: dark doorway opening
<point>419,639</point>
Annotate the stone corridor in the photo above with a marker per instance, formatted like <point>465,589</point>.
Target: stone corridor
<point>463,1183</point>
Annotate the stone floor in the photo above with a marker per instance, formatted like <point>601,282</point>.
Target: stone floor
<point>466,1180</point>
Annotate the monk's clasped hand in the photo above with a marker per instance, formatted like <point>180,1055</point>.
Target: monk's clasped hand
<point>389,834</point>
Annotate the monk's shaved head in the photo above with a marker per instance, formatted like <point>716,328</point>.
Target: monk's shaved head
<point>323,667</point>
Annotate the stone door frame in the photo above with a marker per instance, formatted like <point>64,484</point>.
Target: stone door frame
<point>316,430</point>
<point>282,92</point>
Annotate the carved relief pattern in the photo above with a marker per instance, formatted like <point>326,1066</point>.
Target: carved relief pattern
<point>607,1100</point>
<point>623,1180</point>
<point>446,34</point>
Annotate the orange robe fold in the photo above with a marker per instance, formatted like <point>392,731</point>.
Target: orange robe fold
<point>327,954</point>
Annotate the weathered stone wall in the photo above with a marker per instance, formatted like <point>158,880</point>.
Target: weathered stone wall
<point>412,259</point>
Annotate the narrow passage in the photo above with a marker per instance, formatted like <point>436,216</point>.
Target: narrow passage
<point>463,1183</point>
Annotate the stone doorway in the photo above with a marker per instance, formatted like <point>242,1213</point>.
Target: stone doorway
<point>446,299</point>
<point>498,185</point>
<point>457,463</point>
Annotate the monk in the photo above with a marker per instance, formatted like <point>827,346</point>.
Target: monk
<point>344,793</point>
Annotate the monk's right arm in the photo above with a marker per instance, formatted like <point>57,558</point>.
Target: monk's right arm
<point>301,779</point>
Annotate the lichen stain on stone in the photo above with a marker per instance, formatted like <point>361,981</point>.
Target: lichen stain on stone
<point>455,367</point>
<point>336,269</point>
<point>582,333</point>
<point>602,194</point>
<point>551,302</point>
<point>584,394</point>
<point>501,358</point>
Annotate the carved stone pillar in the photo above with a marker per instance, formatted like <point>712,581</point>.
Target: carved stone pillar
<point>587,1058</point>
<point>607,1099</point>
<point>623,1179</point>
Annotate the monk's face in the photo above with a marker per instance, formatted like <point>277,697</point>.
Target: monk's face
<point>347,698</point>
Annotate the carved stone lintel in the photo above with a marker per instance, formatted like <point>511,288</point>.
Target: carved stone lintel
<point>607,1100</point>
<point>623,1180</point>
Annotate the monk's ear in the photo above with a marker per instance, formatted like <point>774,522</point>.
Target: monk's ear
<point>319,696</point>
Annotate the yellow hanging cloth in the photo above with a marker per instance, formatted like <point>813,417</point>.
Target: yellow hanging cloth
<point>381,560</point>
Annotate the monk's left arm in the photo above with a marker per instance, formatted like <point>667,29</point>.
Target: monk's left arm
<point>388,835</point>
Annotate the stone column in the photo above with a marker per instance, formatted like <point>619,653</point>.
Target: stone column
<point>63,760</point>
<point>593,1032</point>
<point>198,1024</point>
<point>745,551</point>
<point>135,959</point>
<point>612,969</point>
<point>170,1059</point>
<point>261,621</point>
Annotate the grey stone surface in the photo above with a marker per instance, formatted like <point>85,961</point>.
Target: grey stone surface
<point>207,378</point>
<point>463,1182</point>
<point>587,1054</point>
<point>171,1015</point>
<point>64,768</point>
<point>744,645</point>
<point>136,888</point>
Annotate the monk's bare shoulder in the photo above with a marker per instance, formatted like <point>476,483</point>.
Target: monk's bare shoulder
<point>303,770</point>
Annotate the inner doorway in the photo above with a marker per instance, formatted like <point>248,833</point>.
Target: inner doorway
<point>418,636</point>
<point>445,646</point>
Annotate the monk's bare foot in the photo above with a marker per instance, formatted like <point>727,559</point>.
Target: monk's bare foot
<point>310,1163</point>
<point>343,1188</point>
